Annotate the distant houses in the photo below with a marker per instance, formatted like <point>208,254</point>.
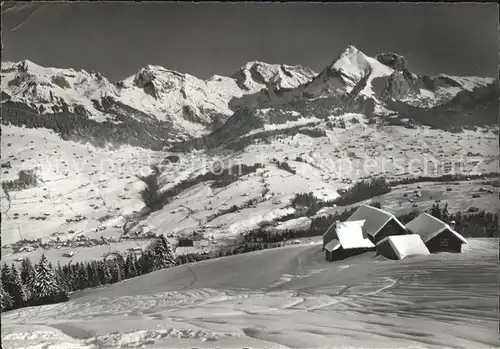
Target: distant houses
<point>436,234</point>
<point>370,228</point>
<point>344,239</point>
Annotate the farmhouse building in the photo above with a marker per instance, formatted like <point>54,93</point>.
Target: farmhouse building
<point>436,234</point>
<point>378,223</point>
<point>401,246</point>
<point>345,239</point>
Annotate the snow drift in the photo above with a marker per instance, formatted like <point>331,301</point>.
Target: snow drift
<point>282,298</point>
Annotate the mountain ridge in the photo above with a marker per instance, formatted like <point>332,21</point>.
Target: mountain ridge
<point>189,107</point>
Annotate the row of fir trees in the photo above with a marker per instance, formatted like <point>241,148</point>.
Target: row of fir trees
<point>42,283</point>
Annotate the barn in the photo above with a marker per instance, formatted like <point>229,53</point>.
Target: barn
<point>378,223</point>
<point>346,239</point>
<point>436,234</point>
<point>401,246</point>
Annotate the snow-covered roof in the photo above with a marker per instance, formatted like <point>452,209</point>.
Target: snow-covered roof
<point>350,235</point>
<point>428,227</point>
<point>406,245</point>
<point>332,245</point>
<point>375,219</point>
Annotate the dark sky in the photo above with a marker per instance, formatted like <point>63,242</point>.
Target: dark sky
<point>202,39</point>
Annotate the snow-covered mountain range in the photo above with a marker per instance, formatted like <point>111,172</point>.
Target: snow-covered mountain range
<point>190,107</point>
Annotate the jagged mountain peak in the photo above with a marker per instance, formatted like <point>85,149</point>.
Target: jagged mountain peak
<point>350,73</point>
<point>350,51</point>
<point>158,69</point>
<point>272,66</point>
<point>354,62</point>
<point>157,80</point>
<point>349,55</point>
<point>50,90</point>
<point>152,72</point>
<point>250,64</point>
<point>257,75</point>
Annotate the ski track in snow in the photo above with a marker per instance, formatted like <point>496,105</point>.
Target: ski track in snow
<point>435,301</point>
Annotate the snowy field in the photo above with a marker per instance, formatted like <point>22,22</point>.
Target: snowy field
<point>281,298</point>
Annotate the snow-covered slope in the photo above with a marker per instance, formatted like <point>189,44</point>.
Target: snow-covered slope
<point>282,298</point>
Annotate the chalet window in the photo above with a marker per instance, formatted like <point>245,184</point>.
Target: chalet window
<point>444,242</point>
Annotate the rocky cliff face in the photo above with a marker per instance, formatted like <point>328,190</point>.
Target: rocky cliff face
<point>392,60</point>
<point>401,84</point>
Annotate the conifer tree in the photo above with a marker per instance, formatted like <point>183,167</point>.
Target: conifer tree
<point>68,277</point>
<point>106,273</point>
<point>162,254</point>
<point>74,276</point>
<point>92,271</point>
<point>100,272</point>
<point>62,278</point>
<point>131,266</point>
<point>46,290</point>
<point>19,294</point>
<point>28,277</point>
<point>139,264</point>
<point>5,273</point>
<point>82,276</point>
<point>120,268</point>
<point>13,285</point>
<point>6,300</point>
<point>147,262</point>
<point>445,215</point>
<point>116,271</point>
<point>92,282</point>
<point>436,211</point>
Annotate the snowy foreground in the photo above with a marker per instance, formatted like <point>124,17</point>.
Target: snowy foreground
<point>283,298</point>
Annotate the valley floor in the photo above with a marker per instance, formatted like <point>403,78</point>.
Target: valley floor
<point>87,200</point>
<point>282,298</point>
